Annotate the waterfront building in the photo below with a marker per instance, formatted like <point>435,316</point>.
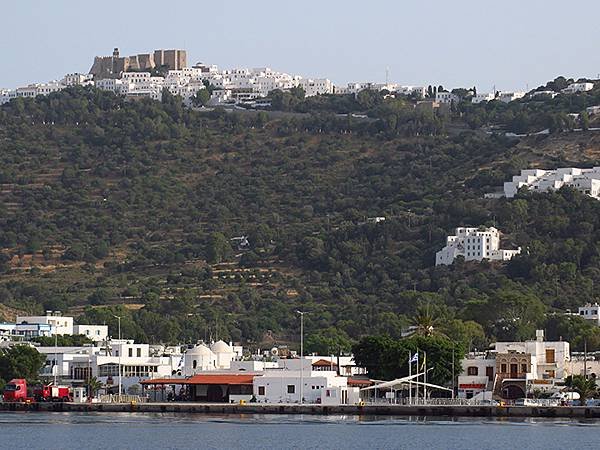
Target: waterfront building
<point>474,244</point>
<point>75,365</point>
<point>201,358</point>
<point>316,381</point>
<point>540,180</point>
<point>513,369</point>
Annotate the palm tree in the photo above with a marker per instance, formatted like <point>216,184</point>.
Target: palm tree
<point>94,385</point>
<point>586,388</point>
<point>425,324</point>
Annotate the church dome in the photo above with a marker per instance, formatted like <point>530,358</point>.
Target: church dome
<point>221,347</point>
<point>199,350</point>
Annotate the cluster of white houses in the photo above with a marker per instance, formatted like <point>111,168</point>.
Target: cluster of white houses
<point>51,324</point>
<point>539,180</point>
<point>147,75</point>
<point>223,372</point>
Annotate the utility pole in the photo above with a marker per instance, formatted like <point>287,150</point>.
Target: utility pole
<point>453,386</point>
<point>55,359</point>
<point>120,351</point>
<point>301,356</point>
<point>585,358</point>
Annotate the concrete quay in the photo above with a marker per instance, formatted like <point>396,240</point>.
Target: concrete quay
<point>254,408</point>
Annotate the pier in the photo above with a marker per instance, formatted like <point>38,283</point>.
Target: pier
<point>254,408</point>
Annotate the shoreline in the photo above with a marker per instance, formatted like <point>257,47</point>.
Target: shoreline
<point>382,410</point>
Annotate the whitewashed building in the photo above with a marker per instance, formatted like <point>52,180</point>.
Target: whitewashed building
<point>59,324</point>
<point>96,333</point>
<point>508,97</point>
<point>514,369</point>
<point>480,98</point>
<point>446,98</point>
<point>315,383</point>
<point>591,312</point>
<point>539,180</point>
<point>578,87</point>
<point>474,244</point>
<point>202,358</point>
<point>318,86</point>
<point>137,362</point>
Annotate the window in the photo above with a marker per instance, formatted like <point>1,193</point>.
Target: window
<point>261,390</point>
<point>130,352</point>
<point>473,371</point>
<point>139,352</point>
<point>194,364</point>
<point>291,389</point>
<point>550,356</point>
<point>503,368</point>
<point>524,368</point>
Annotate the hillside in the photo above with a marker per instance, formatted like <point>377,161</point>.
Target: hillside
<point>109,205</point>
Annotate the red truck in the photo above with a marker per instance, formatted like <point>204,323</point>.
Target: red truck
<point>51,393</point>
<point>17,391</point>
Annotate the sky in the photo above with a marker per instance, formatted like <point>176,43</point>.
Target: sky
<point>506,44</point>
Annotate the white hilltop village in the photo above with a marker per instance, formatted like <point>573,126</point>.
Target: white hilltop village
<point>148,74</point>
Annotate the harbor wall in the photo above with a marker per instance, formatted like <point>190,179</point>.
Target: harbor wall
<point>384,410</point>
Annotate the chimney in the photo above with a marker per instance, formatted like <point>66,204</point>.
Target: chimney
<point>539,335</point>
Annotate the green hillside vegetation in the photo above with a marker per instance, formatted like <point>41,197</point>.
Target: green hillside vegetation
<point>128,208</point>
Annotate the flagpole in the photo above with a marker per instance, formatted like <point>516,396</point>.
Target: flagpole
<point>409,377</point>
<point>418,376</point>
<point>425,376</point>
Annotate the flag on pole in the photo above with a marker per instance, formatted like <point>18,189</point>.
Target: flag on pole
<point>414,359</point>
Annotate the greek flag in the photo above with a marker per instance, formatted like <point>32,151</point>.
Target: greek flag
<point>414,359</point>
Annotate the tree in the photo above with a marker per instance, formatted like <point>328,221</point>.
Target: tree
<point>387,359</point>
<point>330,341</point>
<point>218,248</point>
<point>20,361</point>
<point>201,98</point>
<point>586,388</point>
<point>584,120</point>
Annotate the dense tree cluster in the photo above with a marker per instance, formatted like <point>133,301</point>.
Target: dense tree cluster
<point>130,208</point>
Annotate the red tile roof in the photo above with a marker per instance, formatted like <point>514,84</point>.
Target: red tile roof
<point>324,363</point>
<point>222,379</point>
<point>359,382</point>
<point>217,378</point>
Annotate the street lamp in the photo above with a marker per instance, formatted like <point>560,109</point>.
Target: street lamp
<point>301,355</point>
<point>120,350</point>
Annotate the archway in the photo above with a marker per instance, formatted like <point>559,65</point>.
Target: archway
<point>512,392</point>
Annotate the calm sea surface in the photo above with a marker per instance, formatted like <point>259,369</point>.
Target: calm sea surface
<point>166,431</point>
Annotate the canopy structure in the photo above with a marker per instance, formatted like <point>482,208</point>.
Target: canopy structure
<point>393,384</point>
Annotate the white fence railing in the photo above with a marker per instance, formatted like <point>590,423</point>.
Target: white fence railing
<point>428,402</point>
<point>116,398</point>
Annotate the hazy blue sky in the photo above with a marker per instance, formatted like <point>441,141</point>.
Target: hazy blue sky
<point>506,43</point>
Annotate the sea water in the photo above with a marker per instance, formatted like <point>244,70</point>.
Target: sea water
<point>36,430</point>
